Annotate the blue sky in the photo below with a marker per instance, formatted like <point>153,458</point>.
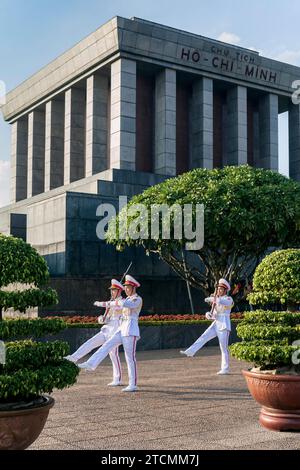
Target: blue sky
<point>33,32</point>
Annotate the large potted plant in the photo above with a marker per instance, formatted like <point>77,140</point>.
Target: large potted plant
<point>28,368</point>
<point>270,340</point>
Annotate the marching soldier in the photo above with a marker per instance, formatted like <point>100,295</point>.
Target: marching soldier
<point>127,334</point>
<point>112,322</point>
<point>221,305</point>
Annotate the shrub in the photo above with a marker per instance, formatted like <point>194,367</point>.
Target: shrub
<point>33,368</point>
<point>277,279</point>
<point>21,263</point>
<point>36,328</point>
<point>268,336</point>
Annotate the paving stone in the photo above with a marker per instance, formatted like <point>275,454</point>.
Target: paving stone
<point>182,404</point>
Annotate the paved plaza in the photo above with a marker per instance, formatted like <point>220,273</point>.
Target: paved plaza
<point>181,404</point>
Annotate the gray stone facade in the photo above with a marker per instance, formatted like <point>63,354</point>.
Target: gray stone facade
<point>81,127</point>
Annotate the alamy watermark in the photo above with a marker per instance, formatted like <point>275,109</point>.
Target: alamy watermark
<point>160,221</point>
<point>296,94</point>
<point>2,352</point>
<point>296,354</point>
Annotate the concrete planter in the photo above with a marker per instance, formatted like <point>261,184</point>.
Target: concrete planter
<point>152,337</point>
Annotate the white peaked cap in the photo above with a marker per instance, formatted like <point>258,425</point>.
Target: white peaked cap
<point>130,281</point>
<point>224,283</point>
<point>116,285</point>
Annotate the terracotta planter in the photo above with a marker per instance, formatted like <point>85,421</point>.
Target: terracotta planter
<point>279,396</point>
<point>20,428</point>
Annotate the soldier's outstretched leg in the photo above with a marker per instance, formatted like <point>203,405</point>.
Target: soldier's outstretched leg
<point>208,334</point>
<point>94,342</point>
<point>102,352</point>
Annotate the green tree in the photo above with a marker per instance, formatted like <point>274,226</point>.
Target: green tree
<point>247,211</point>
<point>21,263</point>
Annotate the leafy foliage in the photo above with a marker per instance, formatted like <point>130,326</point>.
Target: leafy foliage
<point>21,263</point>
<point>267,331</point>
<point>270,317</point>
<point>36,328</point>
<point>32,355</point>
<point>277,279</point>
<point>268,336</point>
<point>266,355</point>
<point>247,210</point>
<point>21,300</point>
<point>33,368</point>
<point>26,383</point>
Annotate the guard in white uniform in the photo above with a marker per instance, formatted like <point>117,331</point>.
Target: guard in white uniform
<point>112,322</point>
<point>220,314</point>
<point>127,334</point>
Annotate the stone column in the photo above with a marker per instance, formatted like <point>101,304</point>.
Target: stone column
<point>74,147</point>
<point>19,152</point>
<point>165,123</point>
<point>123,115</point>
<point>54,152</point>
<point>256,138</point>
<point>96,124</point>
<point>202,123</point>
<point>268,125</point>
<point>36,152</point>
<point>237,152</point>
<point>294,141</point>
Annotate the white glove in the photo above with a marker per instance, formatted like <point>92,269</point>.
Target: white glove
<point>100,304</point>
<point>207,300</point>
<point>208,316</point>
<point>100,319</point>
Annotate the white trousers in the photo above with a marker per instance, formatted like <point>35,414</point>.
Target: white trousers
<point>129,344</point>
<point>95,342</point>
<point>209,334</point>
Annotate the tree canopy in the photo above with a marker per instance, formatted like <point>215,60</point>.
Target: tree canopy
<point>246,211</point>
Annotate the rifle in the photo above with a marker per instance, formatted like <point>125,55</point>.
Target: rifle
<point>124,274</point>
<point>214,302</point>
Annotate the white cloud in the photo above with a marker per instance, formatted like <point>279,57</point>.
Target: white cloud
<point>4,182</point>
<point>289,56</point>
<point>231,38</point>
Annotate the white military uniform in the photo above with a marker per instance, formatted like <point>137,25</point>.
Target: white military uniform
<point>220,327</point>
<point>113,318</point>
<point>127,334</point>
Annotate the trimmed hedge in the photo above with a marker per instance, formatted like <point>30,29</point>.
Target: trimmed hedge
<point>264,354</point>
<point>276,279</point>
<point>33,368</point>
<point>20,262</point>
<point>21,300</point>
<point>29,354</point>
<point>34,328</point>
<point>267,339</point>
<point>26,383</point>
<point>268,316</point>
<point>150,323</point>
<point>267,331</point>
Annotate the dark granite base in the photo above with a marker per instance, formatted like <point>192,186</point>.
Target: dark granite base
<point>152,337</point>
